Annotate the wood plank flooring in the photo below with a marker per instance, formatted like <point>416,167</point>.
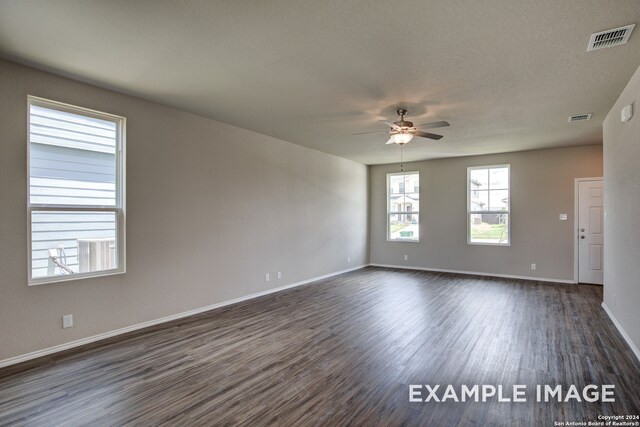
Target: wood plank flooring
<point>342,351</point>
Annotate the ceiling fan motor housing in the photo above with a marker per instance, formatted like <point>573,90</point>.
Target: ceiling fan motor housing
<point>402,122</point>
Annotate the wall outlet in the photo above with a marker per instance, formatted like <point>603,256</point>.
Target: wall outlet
<point>406,257</point>
<point>348,260</point>
<point>533,266</point>
<point>563,217</point>
<point>279,275</point>
<point>626,113</point>
<point>267,277</point>
<point>67,321</point>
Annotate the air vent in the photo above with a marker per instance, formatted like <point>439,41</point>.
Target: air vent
<point>580,118</point>
<point>610,38</point>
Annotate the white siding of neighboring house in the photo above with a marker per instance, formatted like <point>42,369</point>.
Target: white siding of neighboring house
<point>72,161</point>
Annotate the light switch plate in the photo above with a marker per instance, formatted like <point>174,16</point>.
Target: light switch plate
<point>563,217</point>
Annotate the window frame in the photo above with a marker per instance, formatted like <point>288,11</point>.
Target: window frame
<point>488,212</point>
<point>118,209</point>
<point>389,213</point>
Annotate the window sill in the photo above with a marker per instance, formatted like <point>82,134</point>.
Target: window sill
<point>488,244</point>
<point>80,276</point>
<point>403,240</point>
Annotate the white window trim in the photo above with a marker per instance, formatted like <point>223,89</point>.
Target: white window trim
<point>389,239</point>
<point>118,209</point>
<point>469,242</point>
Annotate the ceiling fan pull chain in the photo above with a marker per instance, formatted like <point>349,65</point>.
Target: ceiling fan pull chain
<point>401,166</point>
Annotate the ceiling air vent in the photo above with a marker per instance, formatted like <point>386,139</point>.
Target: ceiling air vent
<point>610,38</point>
<point>580,118</point>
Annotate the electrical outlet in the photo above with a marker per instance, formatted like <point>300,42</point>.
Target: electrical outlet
<point>406,257</point>
<point>563,217</point>
<point>279,275</point>
<point>267,277</point>
<point>626,113</point>
<point>533,266</point>
<point>67,321</point>
<point>348,260</point>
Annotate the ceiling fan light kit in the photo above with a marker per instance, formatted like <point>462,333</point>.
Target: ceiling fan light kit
<point>400,138</point>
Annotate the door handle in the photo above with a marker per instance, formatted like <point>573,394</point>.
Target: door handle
<point>582,237</point>
<point>582,230</point>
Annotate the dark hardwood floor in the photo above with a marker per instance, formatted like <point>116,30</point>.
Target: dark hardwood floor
<point>342,351</point>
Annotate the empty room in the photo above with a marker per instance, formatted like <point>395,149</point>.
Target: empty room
<point>319,213</point>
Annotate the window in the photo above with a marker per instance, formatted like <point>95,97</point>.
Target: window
<point>403,206</point>
<point>488,204</point>
<point>76,192</point>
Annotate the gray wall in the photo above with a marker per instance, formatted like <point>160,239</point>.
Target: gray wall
<point>210,209</point>
<point>542,186</point>
<point>622,212</point>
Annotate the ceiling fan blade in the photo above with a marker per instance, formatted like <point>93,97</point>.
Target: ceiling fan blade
<point>433,125</point>
<point>427,135</point>
<point>390,124</point>
<point>390,141</point>
<point>369,133</point>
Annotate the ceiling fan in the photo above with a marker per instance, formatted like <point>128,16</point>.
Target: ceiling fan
<point>403,130</point>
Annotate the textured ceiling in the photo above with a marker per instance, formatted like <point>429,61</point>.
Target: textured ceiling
<point>505,73</point>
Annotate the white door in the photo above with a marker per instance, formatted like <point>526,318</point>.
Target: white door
<point>590,231</point>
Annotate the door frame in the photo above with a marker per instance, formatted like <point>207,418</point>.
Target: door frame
<point>576,212</point>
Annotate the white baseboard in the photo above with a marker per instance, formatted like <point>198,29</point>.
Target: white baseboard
<point>624,334</point>
<point>475,273</point>
<point>109,334</point>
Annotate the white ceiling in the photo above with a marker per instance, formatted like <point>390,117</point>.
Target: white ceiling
<point>505,73</point>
